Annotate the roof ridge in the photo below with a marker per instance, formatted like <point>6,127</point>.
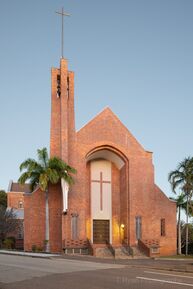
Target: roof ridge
<point>107,108</point>
<point>100,112</point>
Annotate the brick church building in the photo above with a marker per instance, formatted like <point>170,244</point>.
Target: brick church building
<point>114,206</point>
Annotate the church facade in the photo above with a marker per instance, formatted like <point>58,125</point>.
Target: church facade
<point>114,202</point>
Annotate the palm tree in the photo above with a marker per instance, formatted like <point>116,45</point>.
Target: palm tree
<point>182,178</point>
<point>180,203</point>
<point>43,172</point>
<point>3,198</point>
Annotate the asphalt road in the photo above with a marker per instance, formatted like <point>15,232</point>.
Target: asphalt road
<point>18,272</point>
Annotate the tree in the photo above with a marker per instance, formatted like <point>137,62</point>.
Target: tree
<point>190,237</point>
<point>182,178</point>
<point>190,208</point>
<point>8,222</point>
<point>43,172</point>
<point>180,201</point>
<point>3,198</point>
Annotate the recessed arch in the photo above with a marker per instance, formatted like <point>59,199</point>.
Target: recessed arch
<point>108,153</point>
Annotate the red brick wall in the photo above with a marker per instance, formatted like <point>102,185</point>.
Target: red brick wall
<point>34,220</point>
<point>116,206</point>
<point>134,192</point>
<point>13,199</point>
<point>62,133</point>
<point>55,128</point>
<point>34,225</point>
<point>166,209</point>
<point>142,196</point>
<point>124,211</point>
<point>55,216</point>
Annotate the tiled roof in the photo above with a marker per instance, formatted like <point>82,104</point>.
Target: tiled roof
<point>16,187</point>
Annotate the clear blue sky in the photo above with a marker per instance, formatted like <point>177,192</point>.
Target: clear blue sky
<point>134,56</point>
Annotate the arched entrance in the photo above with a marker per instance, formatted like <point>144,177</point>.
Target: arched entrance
<point>106,167</point>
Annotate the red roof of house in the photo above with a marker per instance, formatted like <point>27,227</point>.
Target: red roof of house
<point>16,187</point>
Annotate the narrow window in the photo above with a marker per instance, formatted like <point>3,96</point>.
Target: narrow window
<point>138,225</point>
<point>20,236</point>
<point>58,86</point>
<point>74,226</point>
<point>20,205</point>
<point>163,227</point>
<point>68,87</point>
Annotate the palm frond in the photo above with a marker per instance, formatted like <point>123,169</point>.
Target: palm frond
<point>43,181</point>
<point>180,199</point>
<point>34,180</point>
<point>71,169</point>
<point>68,178</point>
<point>28,164</point>
<point>43,156</point>
<point>33,185</point>
<point>52,175</point>
<point>60,166</point>
<point>55,163</point>
<point>175,174</point>
<point>23,178</point>
<point>45,170</point>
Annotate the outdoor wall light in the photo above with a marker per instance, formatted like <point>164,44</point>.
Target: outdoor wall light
<point>122,226</point>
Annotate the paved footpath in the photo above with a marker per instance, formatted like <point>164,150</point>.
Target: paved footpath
<point>180,265</point>
<point>24,272</point>
<point>29,254</point>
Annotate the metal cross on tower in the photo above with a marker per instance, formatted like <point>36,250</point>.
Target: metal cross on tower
<point>62,13</point>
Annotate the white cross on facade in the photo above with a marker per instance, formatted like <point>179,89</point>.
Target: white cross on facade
<point>101,181</point>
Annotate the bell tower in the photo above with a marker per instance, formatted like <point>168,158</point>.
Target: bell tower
<point>62,111</point>
<point>62,105</point>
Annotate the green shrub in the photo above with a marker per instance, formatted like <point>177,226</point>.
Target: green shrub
<point>34,248</point>
<point>39,249</point>
<point>9,243</point>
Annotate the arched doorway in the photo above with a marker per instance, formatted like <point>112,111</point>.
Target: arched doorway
<point>105,195</point>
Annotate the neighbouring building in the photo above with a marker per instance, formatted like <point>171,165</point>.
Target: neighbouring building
<point>15,201</point>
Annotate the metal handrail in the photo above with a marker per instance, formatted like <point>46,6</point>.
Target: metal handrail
<point>110,247</point>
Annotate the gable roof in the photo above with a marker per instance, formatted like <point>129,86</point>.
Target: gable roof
<point>109,112</point>
<point>106,109</point>
<point>16,187</point>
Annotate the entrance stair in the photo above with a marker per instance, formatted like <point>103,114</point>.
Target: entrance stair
<point>137,253</point>
<point>102,251</point>
<point>107,250</point>
<point>112,252</point>
<point>122,252</point>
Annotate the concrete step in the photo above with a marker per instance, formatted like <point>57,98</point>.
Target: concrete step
<point>103,252</point>
<point>137,253</point>
<point>122,253</point>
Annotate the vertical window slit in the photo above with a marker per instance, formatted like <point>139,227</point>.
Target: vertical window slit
<point>163,227</point>
<point>58,86</point>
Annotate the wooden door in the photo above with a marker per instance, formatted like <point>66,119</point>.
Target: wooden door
<point>100,231</point>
